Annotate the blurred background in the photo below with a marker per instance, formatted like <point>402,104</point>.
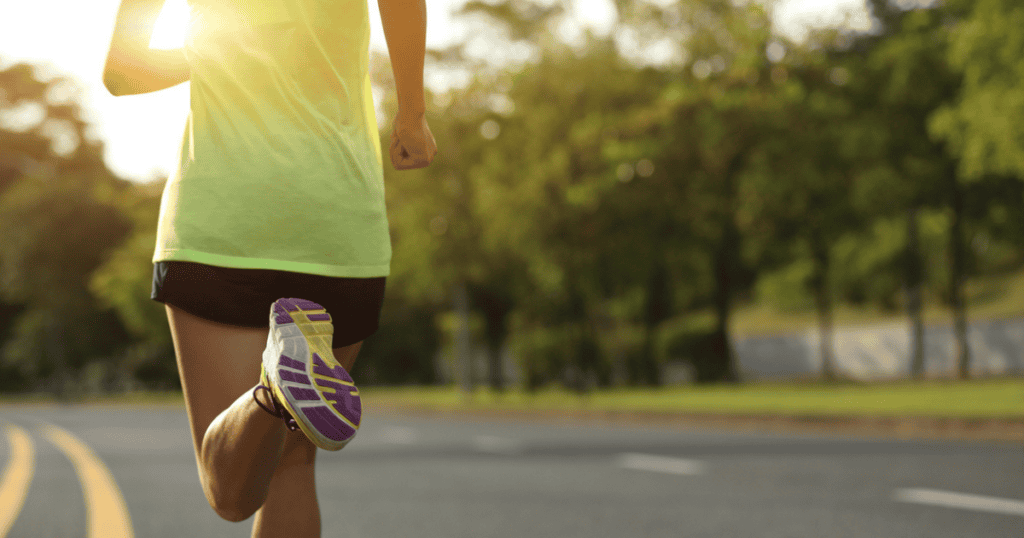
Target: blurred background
<point>628,193</point>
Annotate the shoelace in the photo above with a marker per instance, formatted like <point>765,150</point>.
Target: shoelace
<point>278,411</point>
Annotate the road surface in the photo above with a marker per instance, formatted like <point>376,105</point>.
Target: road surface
<point>91,471</point>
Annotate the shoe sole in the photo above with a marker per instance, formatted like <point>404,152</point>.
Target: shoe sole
<point>305,377</point>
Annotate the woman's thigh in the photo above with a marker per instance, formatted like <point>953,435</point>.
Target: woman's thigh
<point>346,355</point>
<point>216,362</point>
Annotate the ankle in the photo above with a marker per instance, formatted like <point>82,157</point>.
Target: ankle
<point>265,400</point>
<point>272,406</point>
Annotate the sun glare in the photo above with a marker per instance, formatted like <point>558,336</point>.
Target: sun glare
<point>169,30</point>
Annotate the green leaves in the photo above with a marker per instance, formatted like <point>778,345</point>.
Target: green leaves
<point>985,126</point>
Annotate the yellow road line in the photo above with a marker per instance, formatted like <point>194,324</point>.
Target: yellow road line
<point>106,514</point>
<point>17,476</point>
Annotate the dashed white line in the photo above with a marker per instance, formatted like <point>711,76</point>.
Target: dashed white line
<point>399,436</point>
<point>964,501</point>
<point>661,464</point>
<point>497,445</point>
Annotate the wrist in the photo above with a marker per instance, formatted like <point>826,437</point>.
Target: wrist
<point>412,113</point>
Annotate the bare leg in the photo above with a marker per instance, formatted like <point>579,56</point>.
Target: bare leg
<point>237,444</point>
<point>291,508</point>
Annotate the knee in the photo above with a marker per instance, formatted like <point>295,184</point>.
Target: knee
<point>234,516</point>
<point>233,507</point>
<point>293,475</point>
<point>233,499</point>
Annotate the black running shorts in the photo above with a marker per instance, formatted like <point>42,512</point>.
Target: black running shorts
<point>243,297</point>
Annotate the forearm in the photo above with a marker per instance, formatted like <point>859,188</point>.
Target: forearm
<point>146,71</point>
<point>132,67</point>
<point>405,29</point>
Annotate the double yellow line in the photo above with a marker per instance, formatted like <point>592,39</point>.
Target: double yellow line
<point>106,512</point>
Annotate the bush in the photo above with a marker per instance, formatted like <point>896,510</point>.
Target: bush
<point>402,350</point>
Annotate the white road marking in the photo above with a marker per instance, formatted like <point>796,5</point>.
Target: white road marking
<point>106,514</point>
<point>398,435</point>
<point>497,445</point>
<point>964,501</point>
<point>661,464</point>
<point>17,476</point>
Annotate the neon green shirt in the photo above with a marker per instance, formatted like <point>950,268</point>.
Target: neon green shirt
<point>281,163</point>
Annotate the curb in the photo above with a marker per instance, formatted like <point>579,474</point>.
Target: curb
<point>948,428</point>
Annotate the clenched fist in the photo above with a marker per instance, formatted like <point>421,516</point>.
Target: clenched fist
<point>412,143</point>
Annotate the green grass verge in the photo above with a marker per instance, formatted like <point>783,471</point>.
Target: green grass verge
<point>160,398</point>
<point>1002,398</point>
<point>992,398</point>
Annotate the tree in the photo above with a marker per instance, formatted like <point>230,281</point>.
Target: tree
<point>123,283</point>
<point>55,230</point>
<point>984,126</point>
<point>721,106</point>
<point>898,76</point>
<point>800,191</point>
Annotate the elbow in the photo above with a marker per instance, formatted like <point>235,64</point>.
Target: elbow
<point>114,82</point>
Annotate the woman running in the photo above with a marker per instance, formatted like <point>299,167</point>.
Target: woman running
<point>272,243</point>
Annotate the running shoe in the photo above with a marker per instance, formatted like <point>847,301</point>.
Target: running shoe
<point>304,378</point>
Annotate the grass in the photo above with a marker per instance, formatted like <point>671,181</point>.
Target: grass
<point>145,398</point>
<point>997,398</point>
<point>986,398</point>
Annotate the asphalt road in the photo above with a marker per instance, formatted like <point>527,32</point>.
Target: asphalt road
<point>414,477</point>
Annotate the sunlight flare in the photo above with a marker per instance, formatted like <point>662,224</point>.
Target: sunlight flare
<point>169,30</point>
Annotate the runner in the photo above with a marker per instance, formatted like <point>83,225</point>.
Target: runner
<point>272,244</point>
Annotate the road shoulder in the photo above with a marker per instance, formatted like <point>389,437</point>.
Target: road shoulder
<point>980,429</point>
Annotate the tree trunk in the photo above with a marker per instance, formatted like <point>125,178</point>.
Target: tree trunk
<point>658,308</point>
<point>819,282</point>
<point>495,366</point>
<point>57,355</point>
<point>914,278</point>
<point>958,262</point>
<point>724,366</point>
<point>463,346</point>
<point>495,309</point>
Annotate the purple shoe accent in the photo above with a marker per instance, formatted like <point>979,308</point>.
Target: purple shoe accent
<point>283,319</point>
<point>346,399</point>
<point>300,393</point>
<point>327,424</point>
<point>288,375</point>
<point>319,317</point>
<point>350,408</point>
<point>320,367</point>
<point>306,305</point>
<point>283,306</point>
<point>285,360</point>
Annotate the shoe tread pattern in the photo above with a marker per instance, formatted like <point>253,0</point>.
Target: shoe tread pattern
<point>302,327</point>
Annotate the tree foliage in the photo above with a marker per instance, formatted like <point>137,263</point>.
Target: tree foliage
<point>602,211</point>
<point>56,229</point>
<point>984,127</point>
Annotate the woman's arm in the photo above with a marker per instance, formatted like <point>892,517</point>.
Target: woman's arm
<point>132,67</point>
<point>405,29</point>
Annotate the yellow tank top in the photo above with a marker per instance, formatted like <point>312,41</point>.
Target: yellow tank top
<point>281,164</point>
